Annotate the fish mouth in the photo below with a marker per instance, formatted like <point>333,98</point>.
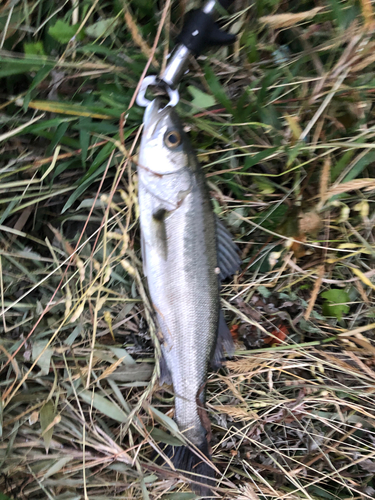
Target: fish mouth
<point>155,112</point>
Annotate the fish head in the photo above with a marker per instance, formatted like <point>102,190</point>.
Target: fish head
<point>164,145</point>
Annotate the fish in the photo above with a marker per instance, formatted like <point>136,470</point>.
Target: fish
<point>186,253</point>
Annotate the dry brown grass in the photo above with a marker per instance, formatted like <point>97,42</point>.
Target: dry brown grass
<point>290,169</point>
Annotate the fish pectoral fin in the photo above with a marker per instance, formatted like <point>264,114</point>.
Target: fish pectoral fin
<point>160,214</point>
<point>224,341</point>
<point>160,229</point>
<point>227,253</point>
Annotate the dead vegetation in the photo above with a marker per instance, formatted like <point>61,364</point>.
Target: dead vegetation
<point>283,124</point>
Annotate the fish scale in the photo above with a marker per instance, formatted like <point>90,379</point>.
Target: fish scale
<point>185,293</point>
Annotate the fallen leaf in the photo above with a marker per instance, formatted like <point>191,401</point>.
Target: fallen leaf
<point>64,32</point>
<point>297,247</point>
<point>201,100</point>
<point>103,405</point>
<point>130,373</point>
<point>42,354</point>
<point>234,331</point>
<point>57,466</point>
<point>335,304</point>
<point>47,416</point>
<point>277,336</point>
<point>163,419</point>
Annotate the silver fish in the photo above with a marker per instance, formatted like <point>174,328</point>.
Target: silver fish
<point>186,251</point>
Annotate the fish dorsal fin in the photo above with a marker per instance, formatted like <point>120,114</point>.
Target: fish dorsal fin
<point>227,253</point>
<point>224,342</point>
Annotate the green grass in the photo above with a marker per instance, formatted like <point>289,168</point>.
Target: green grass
<point>283,125</point>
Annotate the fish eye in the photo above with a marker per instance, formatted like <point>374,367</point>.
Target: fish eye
<point>172,139</point>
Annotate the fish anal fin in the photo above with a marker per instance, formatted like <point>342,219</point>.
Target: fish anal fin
<point>227,253</point>
<point>206,424</point>
<point>224,342</point>
<point>165,374</point>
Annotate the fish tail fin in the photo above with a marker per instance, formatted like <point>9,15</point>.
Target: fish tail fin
<point>194,467</point>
